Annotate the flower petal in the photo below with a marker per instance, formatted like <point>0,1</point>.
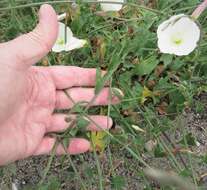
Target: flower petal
<point>110,6</point>
<point>61,33</point>
<point>61,16</point>
<point>164,25</point>
<point>58,48</point>
<point>60,42</point>
<point>74,43</point>
<point>178,35</point>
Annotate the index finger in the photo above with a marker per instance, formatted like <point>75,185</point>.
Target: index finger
<point>69,76</point>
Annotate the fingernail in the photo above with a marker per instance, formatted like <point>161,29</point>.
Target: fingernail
<point>43,9</point>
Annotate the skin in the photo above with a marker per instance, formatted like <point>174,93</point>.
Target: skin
<point>30,94</point>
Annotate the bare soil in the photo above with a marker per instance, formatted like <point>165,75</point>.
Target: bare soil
<point>29,172</point>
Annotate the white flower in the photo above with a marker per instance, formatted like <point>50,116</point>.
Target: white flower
<point>71,41</point>
<point>178,35</point>
<point>111,6</point>
<point>61,16</point>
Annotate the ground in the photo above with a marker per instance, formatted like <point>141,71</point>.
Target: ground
<point>29,172</point>
<point>165,98</point>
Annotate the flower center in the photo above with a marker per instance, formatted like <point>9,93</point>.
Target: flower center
<point>177,39</point>
<point>60,41</point>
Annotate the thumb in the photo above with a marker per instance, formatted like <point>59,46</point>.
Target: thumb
<point>30,48</point>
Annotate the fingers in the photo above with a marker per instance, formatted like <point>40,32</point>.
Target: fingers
<point>76,146</point>
<point>85,95</point>
<point>68,76</point>
<point>31,47</point>
<point>58,122</point>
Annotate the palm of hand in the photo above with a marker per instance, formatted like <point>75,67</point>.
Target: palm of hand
<point>23,134</point>
<point>29,95</point>
<point>25,130</point>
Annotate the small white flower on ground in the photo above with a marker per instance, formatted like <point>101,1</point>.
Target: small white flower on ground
<point>71,42</point>
<point>178,35</point>
<point>111,6</point>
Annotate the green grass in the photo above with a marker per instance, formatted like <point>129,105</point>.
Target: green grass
<point>124,44</point>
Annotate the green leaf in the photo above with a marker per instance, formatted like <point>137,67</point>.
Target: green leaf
<point>199,107</point>
<point>118,182</point>
<point>82,123</point>
<point>185,173</point>
<point>78,107</point>
<point>100,140</point>
<point>73,131</point>
<point>10,169</point>
<point>89,172</point>
<point>113,66</point>
<point>204,158</point>
<point>158,152</point>
<point>99,81</point>
<point>146,66</point>
<point>166,59</point>
<point>116,92</point>
<point>177,102</point>
<point>66,142</point>
<point>177,64</point>
<point>190,140</point>
<point>53,184</point>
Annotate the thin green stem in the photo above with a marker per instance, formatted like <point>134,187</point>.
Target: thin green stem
<point>178,167</point>
<point>70,1</point>
<point>74,168</point>
<point>175,162</point>
<point>53,151</point>
<point>172,5</point>
<point>118,141</point>
<point>190,159</point>
<point>173,146</point>
<point>98,167</point>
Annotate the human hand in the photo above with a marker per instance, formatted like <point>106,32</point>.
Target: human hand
<point>29,94</point>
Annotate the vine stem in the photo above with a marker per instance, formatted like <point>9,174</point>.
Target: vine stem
<point>72,1</point>
<point>173,145</point>
<point>73,166</point>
